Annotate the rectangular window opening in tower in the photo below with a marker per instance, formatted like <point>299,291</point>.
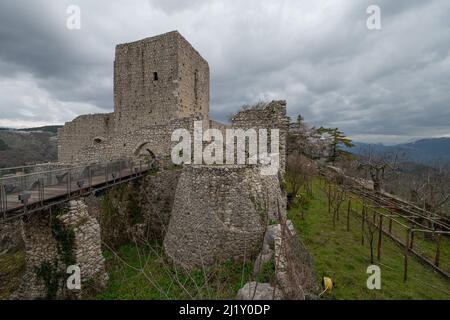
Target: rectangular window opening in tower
<point>155,76</point>
<point>196,87</point>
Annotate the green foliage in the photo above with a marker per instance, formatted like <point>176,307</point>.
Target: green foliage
<point>49,274</point>
<point>153,171</point>
<point>267,273</point>
<point>120,209</point>
<point>338,140</point>
<point>134,208</point>
<point>142,273</point>
<point>65,240</point>
<point>272,222</point>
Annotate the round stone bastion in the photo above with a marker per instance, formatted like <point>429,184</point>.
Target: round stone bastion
<point>221,213</point>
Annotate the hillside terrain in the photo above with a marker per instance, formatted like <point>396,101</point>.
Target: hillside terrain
<point>27,146</point>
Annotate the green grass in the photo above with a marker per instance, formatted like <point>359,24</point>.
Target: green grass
<point>340,254</point>
<point>12,266</point>
<point>156,279</point>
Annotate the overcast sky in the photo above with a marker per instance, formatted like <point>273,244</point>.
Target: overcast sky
<point>389,85</point>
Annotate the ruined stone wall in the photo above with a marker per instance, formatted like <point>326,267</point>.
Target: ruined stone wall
<point>131,145</point>
<point>219,213</point>
<point>40,247</point>
<point>158,196</point>
<point>87,249</point>
<point>83,131</point>
<point>55,241</point>
<point>272,116</point>
<point>219,126</point>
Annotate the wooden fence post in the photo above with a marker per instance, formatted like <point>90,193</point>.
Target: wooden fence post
<point>380,234</point>
<point>405,269</point>
<point>329,198</point>
<point>438,250</point>
<point>390,225</point>
<point>411,241</point>
<point>349,208</point>
<point>362,223</point>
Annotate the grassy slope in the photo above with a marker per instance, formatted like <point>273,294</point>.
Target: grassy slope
<point>12,266</point>
<point>340,253</point>
<point>157,280</point>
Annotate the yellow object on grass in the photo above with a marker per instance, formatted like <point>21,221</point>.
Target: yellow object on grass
<point>327,284</point>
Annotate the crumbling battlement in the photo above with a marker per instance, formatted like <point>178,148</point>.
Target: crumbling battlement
<point>266,116</point>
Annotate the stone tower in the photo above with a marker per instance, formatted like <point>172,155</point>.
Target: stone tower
<point>156,80</point>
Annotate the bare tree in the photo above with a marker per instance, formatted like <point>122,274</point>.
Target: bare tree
<point>369,232</point>
<point>299,173</point>
<point>431,191</point>
<point>378,167</point>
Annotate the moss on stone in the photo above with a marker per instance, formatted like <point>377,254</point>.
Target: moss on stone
<point>50,275</point>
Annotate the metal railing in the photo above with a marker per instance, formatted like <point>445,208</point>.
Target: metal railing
<point>21,192</point>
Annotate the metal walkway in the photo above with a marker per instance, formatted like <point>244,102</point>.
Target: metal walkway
<point>28,189</point>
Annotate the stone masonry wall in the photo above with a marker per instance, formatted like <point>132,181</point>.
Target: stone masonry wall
<point>156,80</point>
<point>156,138</point>
<point>87,248</point>
<point>52,242</point>
<point>145,75</point>
<point>158,196</point>
<point>84,131</point>
<point>40,246</point>
<point>219,213</point>
<point>193,81</point>
<point>272,116</point>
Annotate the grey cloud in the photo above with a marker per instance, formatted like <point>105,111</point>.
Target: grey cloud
<point>319,56</point>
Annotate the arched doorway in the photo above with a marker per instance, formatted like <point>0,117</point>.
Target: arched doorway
<point>145,153</point>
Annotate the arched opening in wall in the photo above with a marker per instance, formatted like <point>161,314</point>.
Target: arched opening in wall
<point>97,140</point>
<point>145,153</point>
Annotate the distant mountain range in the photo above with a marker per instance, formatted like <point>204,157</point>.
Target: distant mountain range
<point>425,151</point>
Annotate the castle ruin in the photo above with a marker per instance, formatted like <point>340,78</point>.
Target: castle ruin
<point>160,84</point>
<point>202,214</point>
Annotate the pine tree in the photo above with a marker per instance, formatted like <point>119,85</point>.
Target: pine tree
<point>338,140</point>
